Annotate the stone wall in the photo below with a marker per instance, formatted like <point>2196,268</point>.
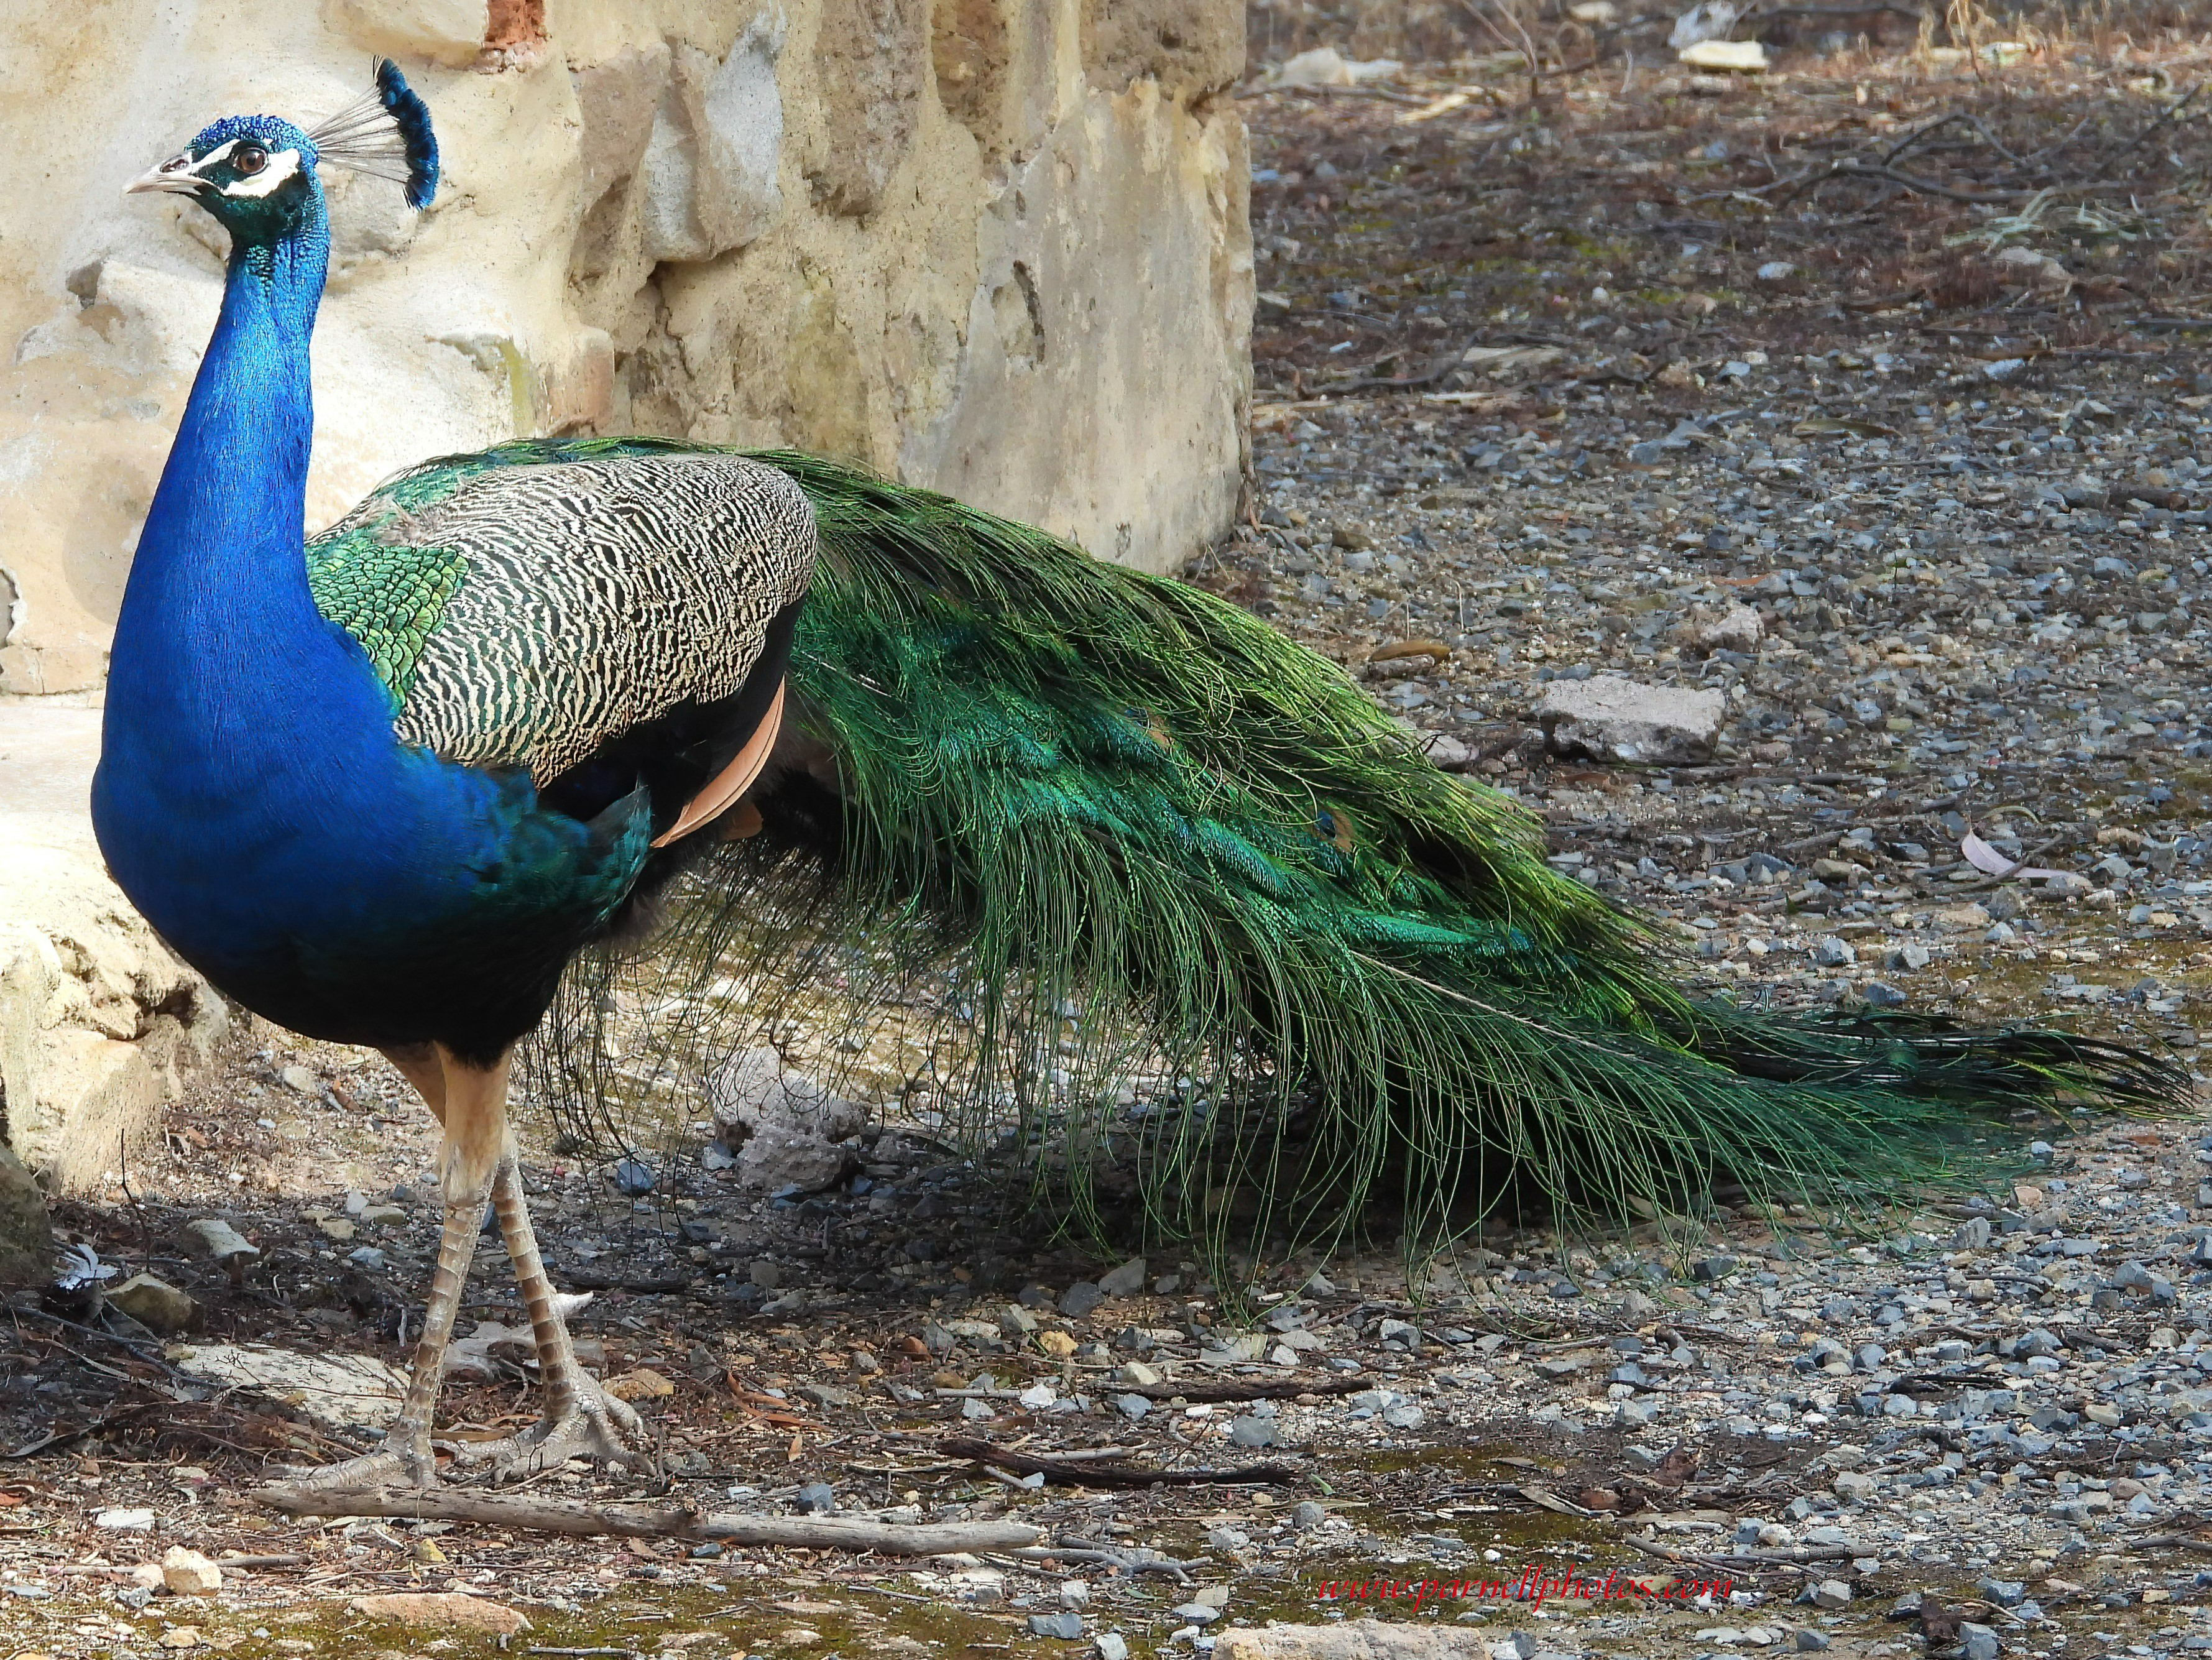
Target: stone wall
<point>996,247</point>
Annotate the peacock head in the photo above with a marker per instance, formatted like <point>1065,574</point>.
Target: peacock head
<point>256,174</point>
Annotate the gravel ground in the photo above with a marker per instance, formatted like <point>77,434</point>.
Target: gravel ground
<point>1944,555</point>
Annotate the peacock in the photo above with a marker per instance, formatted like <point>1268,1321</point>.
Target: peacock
<point>528,720</point>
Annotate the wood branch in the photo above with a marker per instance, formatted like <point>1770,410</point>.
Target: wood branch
<point>1060,1474</point>
<point>1196,1391</point>
<point>654,1520</point>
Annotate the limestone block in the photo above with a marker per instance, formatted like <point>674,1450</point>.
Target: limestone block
<point>618,101</point>
<point>444,31</point>
<point>1611,718</point>
<point>1188,49</point>
<point>958,239</point>
<point>98,1023</point>
<point>26,1236</point>
<point>872,55</point>
<point>710,159</point>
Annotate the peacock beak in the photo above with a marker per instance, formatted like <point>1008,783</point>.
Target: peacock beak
<point>174,175</point>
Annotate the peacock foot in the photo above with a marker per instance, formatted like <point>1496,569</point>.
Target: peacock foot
<point>595,1425</point>
<point>406,1463</point>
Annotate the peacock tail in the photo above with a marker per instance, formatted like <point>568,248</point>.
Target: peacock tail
<point>1130,882</point>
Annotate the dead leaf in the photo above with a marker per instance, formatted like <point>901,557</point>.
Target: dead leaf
<point>641,1384</point>
<point>1988,860</point>
<point>1435,650</point>
<point>796,1450</point>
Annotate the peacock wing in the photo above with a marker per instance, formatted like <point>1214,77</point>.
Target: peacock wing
<point>528,605</point>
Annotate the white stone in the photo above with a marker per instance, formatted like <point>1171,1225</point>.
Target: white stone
<point>1725,56</point>
<point>98,1023</point>
<point>1611,718</point>
<point>188,1573</point>
<point>785,1125</point>
<point>338,1390</point>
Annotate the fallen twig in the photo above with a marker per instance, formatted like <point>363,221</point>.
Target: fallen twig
<point>1198,1390</point>
<point>654,1521</point>
<point>1074,1551</point>
<point>1110,1475</point>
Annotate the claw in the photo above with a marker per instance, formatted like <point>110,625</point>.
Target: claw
<point>408,1465</point>
<point>596,1425</point>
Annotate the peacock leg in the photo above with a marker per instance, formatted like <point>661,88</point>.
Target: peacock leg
<point>471,1101</point>
<point>579,1420</point>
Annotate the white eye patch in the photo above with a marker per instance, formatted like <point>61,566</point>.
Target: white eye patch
<point>282,165</point>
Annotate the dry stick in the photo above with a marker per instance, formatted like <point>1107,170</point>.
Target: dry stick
<point>654,1521</point>
<point>1247,1389</point>
<point>1108,1475</point>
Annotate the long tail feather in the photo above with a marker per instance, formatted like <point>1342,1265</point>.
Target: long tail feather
<point>1121,873</point>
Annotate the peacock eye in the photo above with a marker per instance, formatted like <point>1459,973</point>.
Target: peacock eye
<point>248,160</point>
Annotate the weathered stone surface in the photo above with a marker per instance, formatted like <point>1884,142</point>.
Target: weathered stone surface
<point>712,151</point>
<point>1354,1640</point>
<point>26,1237</point>
<point>338,1390</point>
<point>155,1304</point>
<point>872,56</point>
<point>1188,49</point>
<point>187,1573</point>
<point>449,32</point>
<point>956,245</point>
<point>97,1020</point>
<point>785,1125</point>
<point>1611,718</point>
<point>445,1610</point>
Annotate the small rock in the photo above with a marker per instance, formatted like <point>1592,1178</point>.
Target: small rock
<point>1075,1594</point>
<point>767,1274</point>
<point>188,1573</point>
<point>1124,1281</point>
<point>1080,1298</point>
<point>1608,717</point>
<point>1977,1642</point>
<point>155,1304</point>
<point>1136,1372</point>
<point>1111,1645</point>
<point>1832,951</point>
<point>368,1258</point>
<point>450,1610</point>
<point>1067,1624</point>
<point>1133,1406</point>
<point>1777,270</point>
<point>1305,1516</point>
<point>1250,1432</point>
<point>1197,1614</point>
<point>1850,1486</point>
<point>214,1240</point>
<point>124,1521</point>
<point>816,1498</point>
<point>1832,1594</point>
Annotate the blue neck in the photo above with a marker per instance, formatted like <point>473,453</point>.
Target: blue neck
<point>223,537</point>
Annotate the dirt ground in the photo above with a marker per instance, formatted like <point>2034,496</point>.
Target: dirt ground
<point>1901,359</point>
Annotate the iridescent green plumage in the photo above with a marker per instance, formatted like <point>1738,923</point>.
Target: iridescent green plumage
<point>1086,824</point>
